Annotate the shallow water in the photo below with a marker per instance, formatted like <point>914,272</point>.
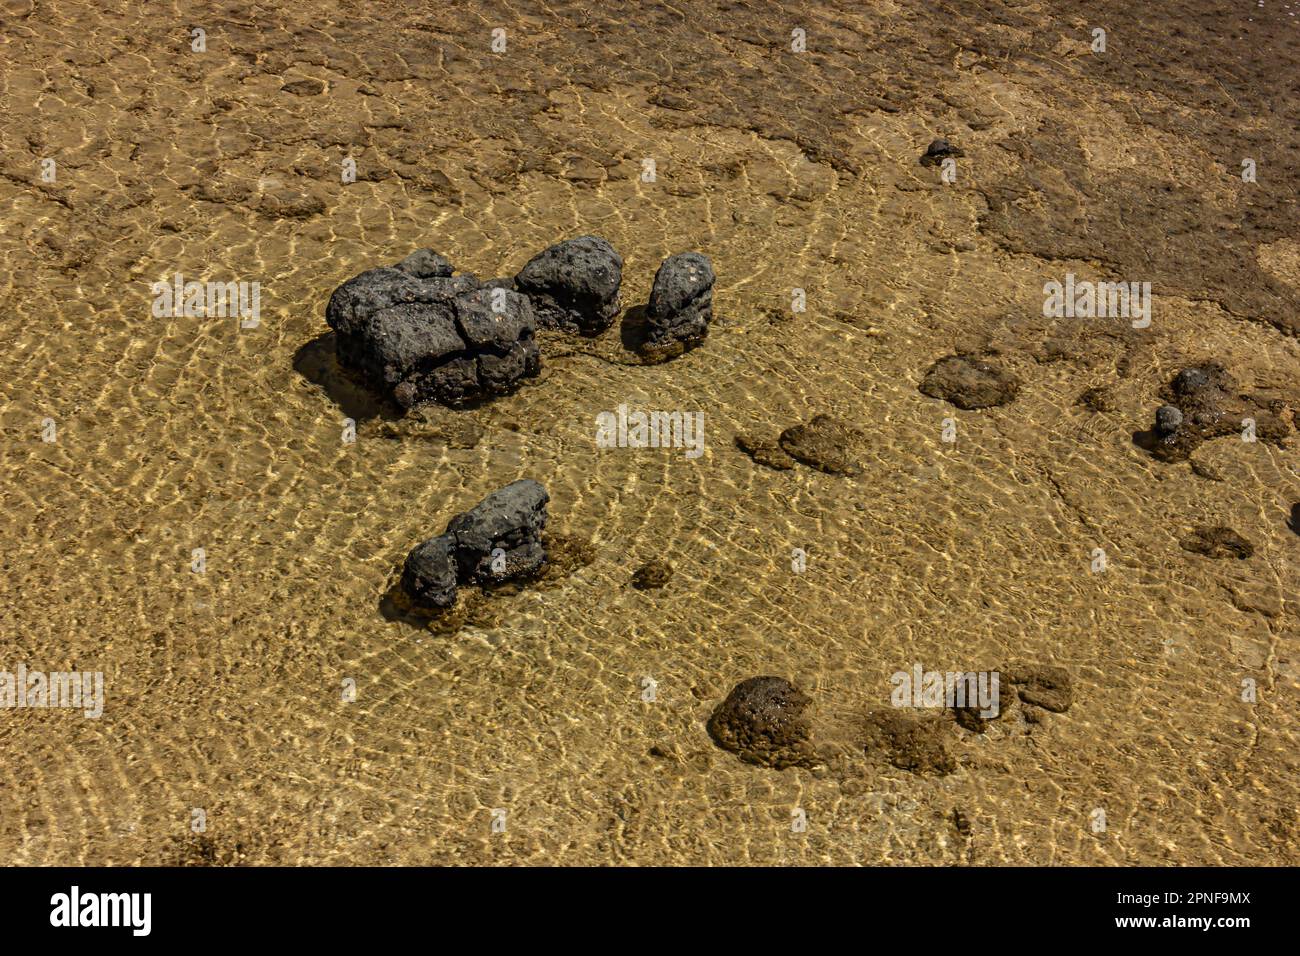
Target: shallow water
<point>224,689</point>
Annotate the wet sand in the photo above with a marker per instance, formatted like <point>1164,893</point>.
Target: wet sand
<point>224,690</point>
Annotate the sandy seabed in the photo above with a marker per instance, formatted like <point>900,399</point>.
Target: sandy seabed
<point>224,691</point>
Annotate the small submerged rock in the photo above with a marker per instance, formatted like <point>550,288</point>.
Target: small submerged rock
<point>1218,541</point>
<point>938,151</point>
<point>969,382</point>
<point>1043,685</point>
<point>496,541</point>
<point>824,443</point>
<point>573,285</point>
<point>1097,399</point>
<point>915,744</point>
<point>765,451</point>
<point>681,303</point>
<point>418,334</point>
<point>763,721</point>
<point>652,574</point>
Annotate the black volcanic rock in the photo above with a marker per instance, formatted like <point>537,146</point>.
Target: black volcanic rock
<point>574,285</point>
<point>763,722</point>
<point>418,334</point>
<point>429,575</point>
<point>681,302</point>
<point>510,520</point>
<point>938,151</point>
<point>498,540</point>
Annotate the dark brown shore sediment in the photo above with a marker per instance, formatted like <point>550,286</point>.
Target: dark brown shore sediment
<point>789,171</point>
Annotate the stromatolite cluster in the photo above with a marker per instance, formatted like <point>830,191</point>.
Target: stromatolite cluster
<point>1204,402</point>
<point>420,334</point>
<point>498,540</point>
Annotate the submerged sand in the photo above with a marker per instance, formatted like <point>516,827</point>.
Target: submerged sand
<point>224,691</point>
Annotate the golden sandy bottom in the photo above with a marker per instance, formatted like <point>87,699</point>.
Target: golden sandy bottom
<point>224,690</point>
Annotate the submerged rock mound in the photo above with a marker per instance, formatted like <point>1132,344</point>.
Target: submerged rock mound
<point>419,334</point>
<point>1043,685</point>
<point>915,744</point>
<point>496,541</point>
<point>574,285</point>
<point>1203,403</point>
<point>681,303</point>
<point>969,382</point>
<point>1218,541</point>
<point>763,722</point>
<point>824,443</point>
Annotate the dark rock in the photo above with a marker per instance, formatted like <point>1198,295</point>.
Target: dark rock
<point>510,520</point>
<point>1294,521</point>
<point>1168,420</point>
<point>429,576</point>
<point>1043,685</point>
<point>972,717</point>
<point>915,744</point>
<point>305,87</point>
<point>763,722</point>
<point>824,443</point>
<point>938,151</point>
<point>681,302</point>
<point>497,541</point>
<point>652,574</point>
<point>969,382</point>
<point>420,335</point>
<point>1218,542</point>
<point>574,285</point>
<point>765,451</point>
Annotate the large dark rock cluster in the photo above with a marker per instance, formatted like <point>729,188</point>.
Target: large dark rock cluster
<point>498,540</point>
<point>420,334</point>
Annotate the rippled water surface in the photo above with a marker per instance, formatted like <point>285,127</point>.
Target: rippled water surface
<point>224,690</point>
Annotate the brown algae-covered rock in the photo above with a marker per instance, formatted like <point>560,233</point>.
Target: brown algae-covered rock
<point>915,744</point>
<point>1043,685</point>
<point>1218,541</point>
<point>970,382</point>
<point>824,443</point>
<point>763,721</point>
